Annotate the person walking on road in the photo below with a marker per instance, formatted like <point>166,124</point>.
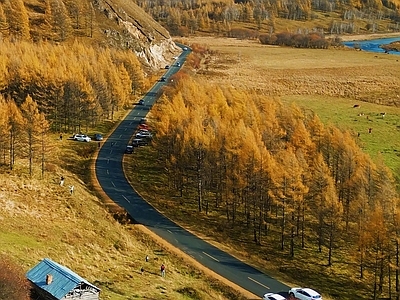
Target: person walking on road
<point>162,269</point>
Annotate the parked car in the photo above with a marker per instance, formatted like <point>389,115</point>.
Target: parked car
<point>129,149</point>
<point>143,126</point>
<point>272,296</point>
<point>141,135</point>
<point>98,137</point>
<point>143,121</point>
<point>167,66</point>
<point>81,137</point>
<point>304,294</point>
<point>139,142</point>
<point>141,102</point>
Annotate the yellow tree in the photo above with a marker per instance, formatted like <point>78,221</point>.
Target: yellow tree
<point>42,130</point>
<point>14,125</point>
<point>18,19</point>
<point>60,21</point>
<point>4,131</point>
<point>30,114</point>
<point>292,192</point>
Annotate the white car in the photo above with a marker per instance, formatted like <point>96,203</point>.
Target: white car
<point>272,296</point>
<point>304,294</point>
<point>140,135</point>
<point>82,138</point>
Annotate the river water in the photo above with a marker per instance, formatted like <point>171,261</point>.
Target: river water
<point>373,45</point>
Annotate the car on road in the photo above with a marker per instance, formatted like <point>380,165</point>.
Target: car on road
<point>129,149</point>
<point>185,48</point>
<point>141,102</point>
<point>81,138</point>
<point>304,294</point>
<point>98,137</point>
<point>143,121</point>
<point>163,79</point>
<point>272,296</point>
<point>178,64</point>
<point>167,67</point>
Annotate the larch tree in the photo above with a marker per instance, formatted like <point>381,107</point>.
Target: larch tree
<point>61,23</point>
<point>17,18</point>
<point>30,114</point>
<point>333,211</point>
<point>4,128</point>
<point>14,124</point>
<point>42,130</point>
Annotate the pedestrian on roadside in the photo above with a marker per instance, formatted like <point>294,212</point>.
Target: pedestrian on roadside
<point>162,269</point>
<point>62,179</point>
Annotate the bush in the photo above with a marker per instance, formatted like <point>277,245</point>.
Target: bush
<point>13,283</point>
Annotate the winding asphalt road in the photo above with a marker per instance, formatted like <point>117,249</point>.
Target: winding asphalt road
<point>112,180</point>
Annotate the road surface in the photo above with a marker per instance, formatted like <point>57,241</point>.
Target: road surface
<point>112,180</point>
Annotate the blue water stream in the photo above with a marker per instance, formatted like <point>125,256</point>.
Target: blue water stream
<point>373,45</point>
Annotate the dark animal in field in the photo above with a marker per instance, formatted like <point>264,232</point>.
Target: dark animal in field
<point>356,105</point>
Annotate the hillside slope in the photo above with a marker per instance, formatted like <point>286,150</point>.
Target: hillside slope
<point>115,23</point>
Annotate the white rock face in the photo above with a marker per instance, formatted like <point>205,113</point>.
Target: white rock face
<point>137,31</point>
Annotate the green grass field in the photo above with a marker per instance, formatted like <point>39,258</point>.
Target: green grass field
<point>384,140</point>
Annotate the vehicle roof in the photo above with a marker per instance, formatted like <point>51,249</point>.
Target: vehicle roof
<point>277,296</point>
<point>311,291</point>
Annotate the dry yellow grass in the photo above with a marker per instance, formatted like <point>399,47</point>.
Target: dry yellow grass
<point>280,71</point>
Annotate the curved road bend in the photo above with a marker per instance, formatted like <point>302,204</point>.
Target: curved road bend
<point>112,180</point>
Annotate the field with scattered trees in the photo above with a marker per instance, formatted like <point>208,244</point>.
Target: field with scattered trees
<point>268,180</point>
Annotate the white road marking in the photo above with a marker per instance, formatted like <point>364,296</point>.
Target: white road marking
<point>113,184</point>
<point>210,256</point>
<point>258,282</point>
<point>169,231</point>
<point>108,160</point>
<point>107,172</point>
<point>126,199</point>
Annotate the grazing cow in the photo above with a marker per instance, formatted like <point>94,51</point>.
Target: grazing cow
<point>383,114</point>
<point>369,130</point>
<point>356,105</point>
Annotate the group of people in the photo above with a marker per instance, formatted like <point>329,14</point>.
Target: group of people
<point>162,268</point>
<point>71,187</point>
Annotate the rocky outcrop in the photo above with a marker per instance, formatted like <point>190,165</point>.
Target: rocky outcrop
<point>393,46</point>
<point>137,31</point>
